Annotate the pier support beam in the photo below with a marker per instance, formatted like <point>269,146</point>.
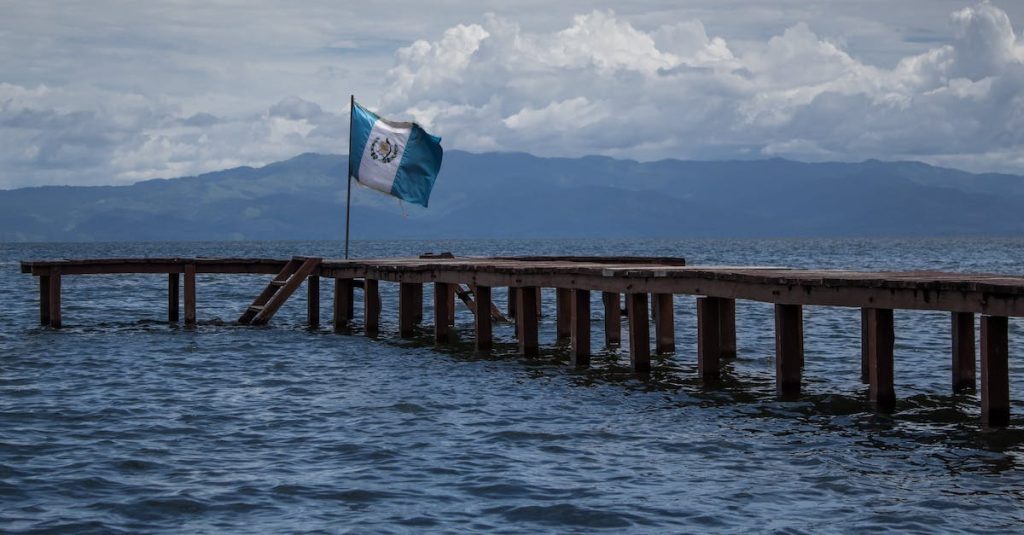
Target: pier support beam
<point>865,366</point>
<point>190,295</point>
<point>964,379</point>
<point>580,327</point>
<point>173,297</point>
<point>880,341</point>
<point>44,299</point>
<point>612,318</point>
<point>343,303</point>
<point>526,320</point>
<point>442,311</point>
<point>727,328</point>
<point>371,307</point>
<point>709,338</point>
<point>512,300</point>
<point>410,308</point>
<point>451,305</point>
<point>789,350</point>
<point>664,324</point>
<point>995,373</point>
<point>313,301</point>
<point>53,298</point>
<point>482,318</point>
<point>563,313</point>
<point>639,332</point>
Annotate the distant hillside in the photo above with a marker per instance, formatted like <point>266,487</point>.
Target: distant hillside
<point>512,195</point>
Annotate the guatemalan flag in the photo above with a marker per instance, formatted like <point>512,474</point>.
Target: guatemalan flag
<point>400,159</point>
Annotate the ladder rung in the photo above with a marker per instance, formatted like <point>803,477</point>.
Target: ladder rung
<point>278,283</point>
<point>255,308</point>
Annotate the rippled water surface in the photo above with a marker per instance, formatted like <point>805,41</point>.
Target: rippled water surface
<point>122,423</point>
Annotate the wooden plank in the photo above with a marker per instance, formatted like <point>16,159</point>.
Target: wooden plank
<point>639,332</point>
<point>371,307</point>
<point>727,328</point>
<point>54,298</point>
<point>410,307</point>
<point>540,302</point>
<point>443,302</point>
<point>709,349</point>
<point>512,301</point>
<point>451,305</point>
<point>865,328</point>
<point>563,313</point>
<point>284,292</point>
<point>612,318</point>
<point>483,320</point>
<point>964,379</point>
<point>526,320</point>
<point>580,327</point>
<point>664,323</point>
<point>275,284</point>
<point>313,301</point>
<point>44,299</point>
<point>173,297</point>
<point>342,304</point>
<point>881,340</point>
<point>789,350</point>
<point>995,373</point>
<point>190,295</point>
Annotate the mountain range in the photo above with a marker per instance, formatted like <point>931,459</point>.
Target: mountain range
<point>516,195</point>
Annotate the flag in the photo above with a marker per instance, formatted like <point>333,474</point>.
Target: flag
<point>400,159</point>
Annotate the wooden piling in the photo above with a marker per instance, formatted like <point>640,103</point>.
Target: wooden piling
<point>371,307</point>
<point>53,298</point>
<point>995,372</point>
<point>526,320</point>
<point>443,303</point>
<point>881,340</point>
<point>789,350</point>
<point>865,367</point>
<point>512,301</point>
<point>727,328</point>
<point>612,318</point>
<point>44,299</point>
<point>664,323</point>
<point>451,305</point>
<point>313,301</point>
<point>964,379</point>
<point>190,295</point>
<point>580,327</point>
<point>482,318</point>
<point>343,307</point>
<point>173,297</point>
<point>410,308</point>
<point>709,339</point>
<point>639,332</point>
<point>563,313</point>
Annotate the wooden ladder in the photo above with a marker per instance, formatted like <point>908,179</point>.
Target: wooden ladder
<point>279,290</point>
<point>466,295</point>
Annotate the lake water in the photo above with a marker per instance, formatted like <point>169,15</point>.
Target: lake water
<point>122,423</point>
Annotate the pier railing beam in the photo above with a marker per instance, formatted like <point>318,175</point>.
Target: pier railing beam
<point>881,340</point>
<point>664,324</point>
<point>639,332</point>
<point>190,295</point>
<point>789,350</point>
<point>313,301</point>
<point>526,320</point>
<point>371,307</point>
<point>995,374</point>
<point>727,328</point>
<point>580,312</point>
<point>964,379</point>
<point>44,299</point>
<point>173,297</point>
<point>53,298</point>
<point>612,318</point>
<point>343,306</point>
<point>482,318</point>
<point>410,308</point>
<point>563,313</point>
<point>442,307</point>
<point>709,338</point>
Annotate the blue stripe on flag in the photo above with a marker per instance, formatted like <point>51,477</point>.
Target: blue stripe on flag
<point>362,123</point>
<point>419,167</point>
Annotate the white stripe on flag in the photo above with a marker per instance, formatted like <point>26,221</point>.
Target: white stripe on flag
<point>383,153</point>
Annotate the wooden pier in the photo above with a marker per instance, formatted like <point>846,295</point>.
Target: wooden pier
<point>648,286</point>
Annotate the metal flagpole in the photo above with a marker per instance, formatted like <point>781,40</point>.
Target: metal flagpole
<point>348,200</point>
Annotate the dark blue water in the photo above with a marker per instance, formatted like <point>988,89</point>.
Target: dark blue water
<point>122,423</point>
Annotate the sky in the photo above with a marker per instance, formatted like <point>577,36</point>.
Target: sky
<point>113,92</point>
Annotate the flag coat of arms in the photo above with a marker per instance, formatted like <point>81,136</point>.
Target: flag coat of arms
<point>397,158</point>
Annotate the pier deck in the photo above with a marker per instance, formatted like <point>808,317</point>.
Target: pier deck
<point>648,285</point>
